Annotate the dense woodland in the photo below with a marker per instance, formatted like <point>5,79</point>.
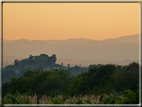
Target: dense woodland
<point>108,81</point>
<point>42,61</point>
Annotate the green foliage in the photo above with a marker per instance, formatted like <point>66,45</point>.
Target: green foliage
<point>56,101</point>
<point>65,97</point>
<point>42,61</point>
<point>92,71</point>
<point>125,79</point>
<point>12,99</point>
<point>109,79</point>
<point>88,102</point>
<point>134,66</point>
<point>40,82</point>
<point>79,101</point>
<point>131,97</point>
<point>29,72</point>
<point>16,99</point>
<point>111,99</point>
<point>71,102</point>
<point>105,70</point>
<point>76,70</point>
<point>25,68</point>
<point>8,72</point>
<point>16,64</point>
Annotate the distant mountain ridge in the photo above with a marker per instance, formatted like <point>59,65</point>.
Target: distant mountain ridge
<point>119,49</point>
<point>130,38</point>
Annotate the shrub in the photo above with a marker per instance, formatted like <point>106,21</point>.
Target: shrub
<point>111,99</point>
<point>79,101</point>
<point>131,97</point>
<point>71,102</point>
<point>56,101</point>
<point>88,102</point>
<point>16,99</point>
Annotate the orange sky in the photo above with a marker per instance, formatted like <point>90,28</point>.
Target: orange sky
<point>46,21</point>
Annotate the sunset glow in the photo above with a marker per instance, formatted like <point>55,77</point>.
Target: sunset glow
<point>46,21</point>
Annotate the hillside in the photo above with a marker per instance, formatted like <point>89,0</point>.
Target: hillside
<point>43,62</point>
<point>124,39</point>
<point>110,50</point>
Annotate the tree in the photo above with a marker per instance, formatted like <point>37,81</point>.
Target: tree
<point>92,71</point>
<point>125,79</point>
<point>31,59</point>
<point>53,58</point>
<point>68,66</point>
<point>134,67</point>
<point>105,70</point>
<point>16,64</point>
<point>25,68</point>
<point>7,73</point>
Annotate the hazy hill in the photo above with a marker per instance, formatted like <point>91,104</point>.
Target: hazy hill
<point>124,48</point>
<point>42,61</point>
<point>125,39</point>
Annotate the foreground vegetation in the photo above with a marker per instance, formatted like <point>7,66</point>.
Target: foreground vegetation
<point>103,84</point>
<point>129,97</point>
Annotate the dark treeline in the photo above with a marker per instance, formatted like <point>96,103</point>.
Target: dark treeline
<point>42,62</point>
<point>97,80</point>
<point>20,66</point>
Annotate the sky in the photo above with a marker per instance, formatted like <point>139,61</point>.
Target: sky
<point>56,21</point>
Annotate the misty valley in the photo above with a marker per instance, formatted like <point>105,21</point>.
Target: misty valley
<point>40,80</point>
<point>75,51</point>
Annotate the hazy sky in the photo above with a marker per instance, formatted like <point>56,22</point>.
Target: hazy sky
<point>45,21</point>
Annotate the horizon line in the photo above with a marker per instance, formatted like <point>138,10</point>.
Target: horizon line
<point>65,39</point>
